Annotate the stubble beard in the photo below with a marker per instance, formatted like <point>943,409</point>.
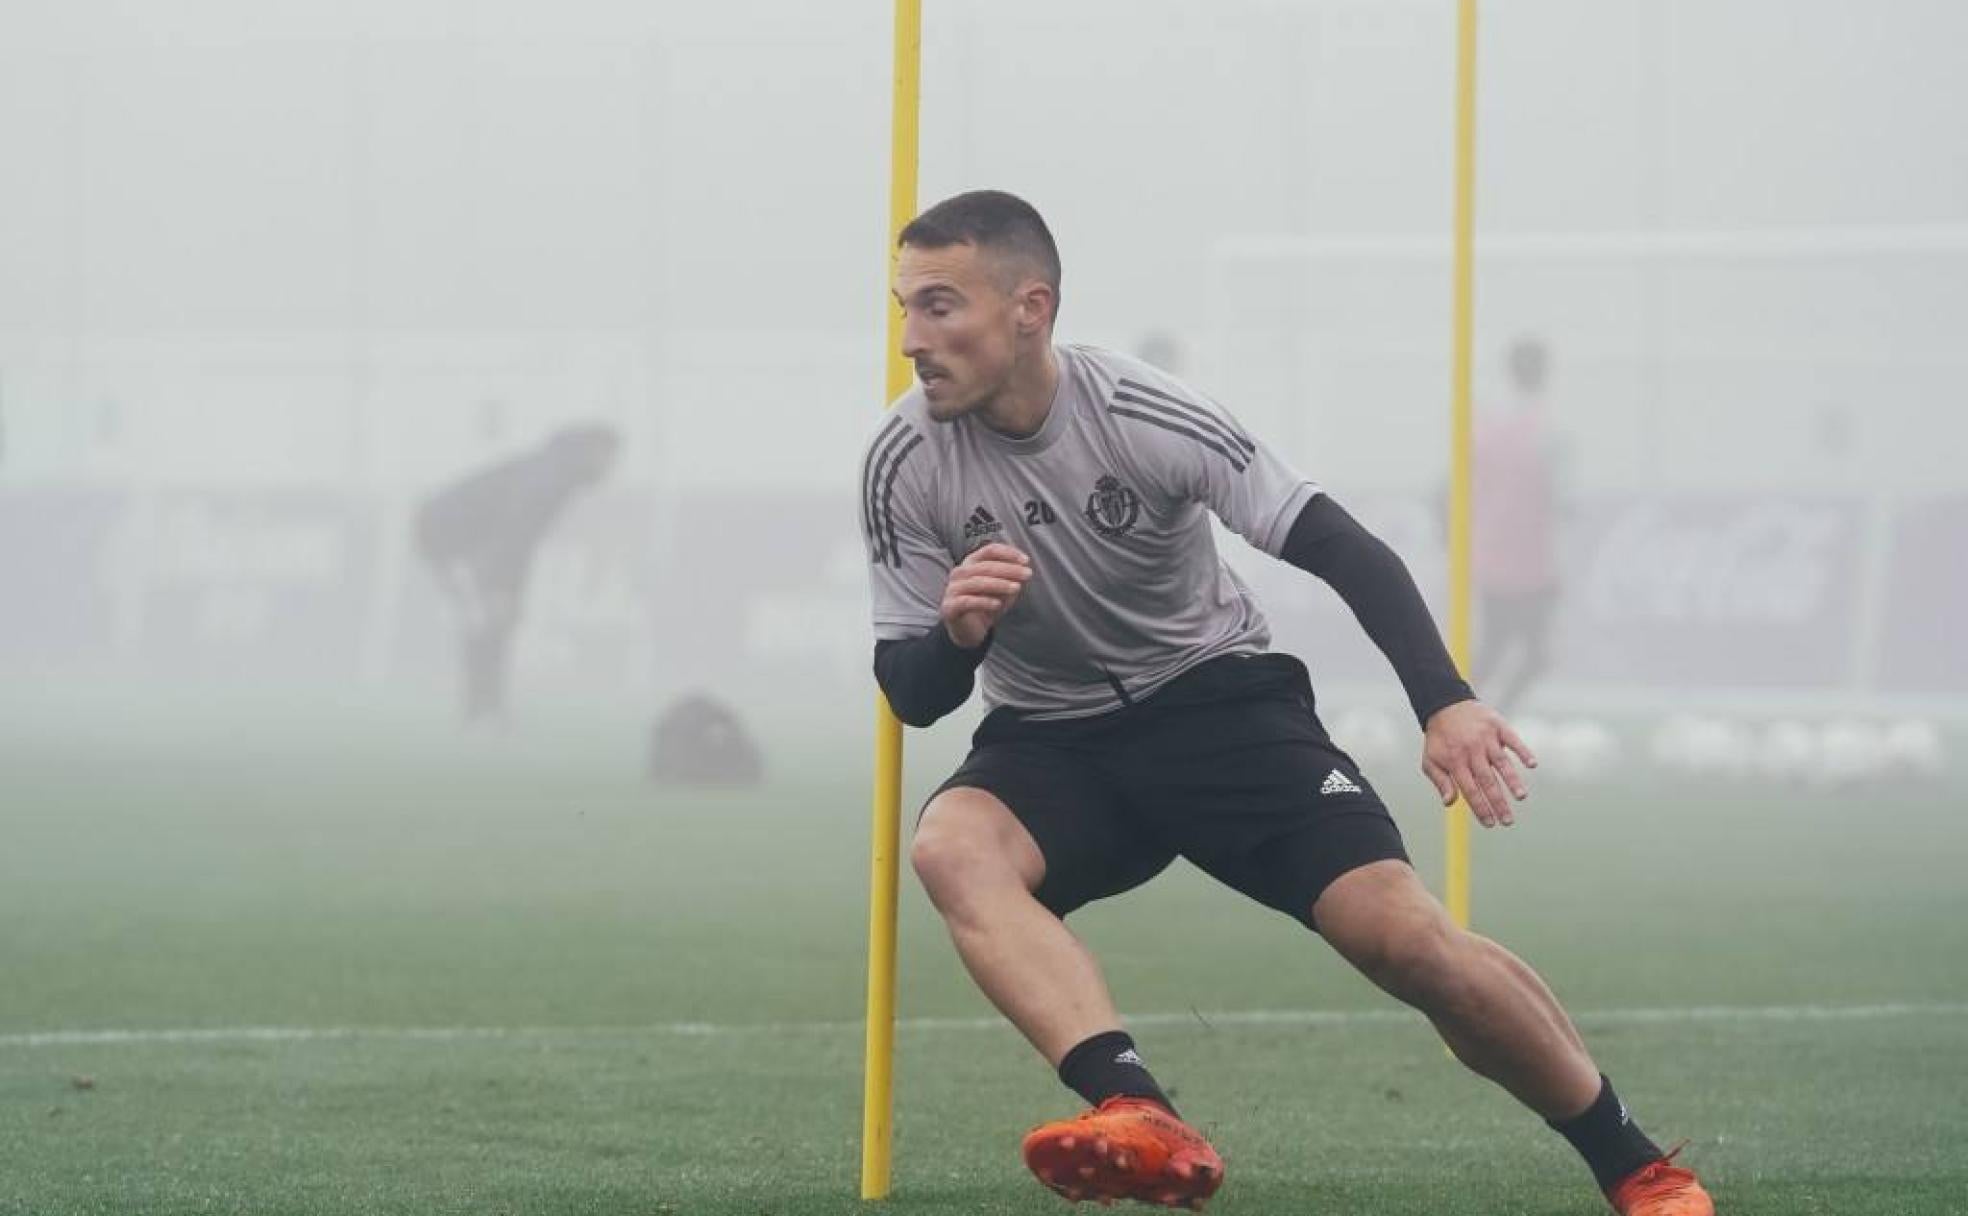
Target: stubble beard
<point>951,409</point>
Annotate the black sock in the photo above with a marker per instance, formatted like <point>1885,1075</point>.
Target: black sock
<point>1607,1137</point>
<point>1107,1066</point>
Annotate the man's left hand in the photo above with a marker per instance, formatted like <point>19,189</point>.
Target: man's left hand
<point>1467,750</point>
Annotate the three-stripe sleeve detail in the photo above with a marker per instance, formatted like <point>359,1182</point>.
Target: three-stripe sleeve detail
<point>878,453</point>
<point>885,456</point>
<point>1157,408</point>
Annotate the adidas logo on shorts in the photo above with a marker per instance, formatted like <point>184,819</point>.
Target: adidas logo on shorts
<point>1338,783</point>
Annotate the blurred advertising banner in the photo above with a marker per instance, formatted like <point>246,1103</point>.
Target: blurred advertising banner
<point>272,581</point>
<point>1750,591</point>
<point>775,583</point>
<point>1741,591</point>
<point>185,582</point>
<point>1816,594</point>
<point>1925,599</point>
<point>57,609</point>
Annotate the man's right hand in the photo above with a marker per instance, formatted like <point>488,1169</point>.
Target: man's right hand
<point>981,589</point>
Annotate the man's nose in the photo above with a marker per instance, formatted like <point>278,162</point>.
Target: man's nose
<point>913,345</point>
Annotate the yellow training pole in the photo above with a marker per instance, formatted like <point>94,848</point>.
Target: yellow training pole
<point>1457,895</point>
<point>878,1081</point>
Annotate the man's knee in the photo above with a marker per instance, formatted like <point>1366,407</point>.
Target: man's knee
<point>969,839</point>
<point>1385,924</point>
<point>1423,963</point>
<point>939,857</point>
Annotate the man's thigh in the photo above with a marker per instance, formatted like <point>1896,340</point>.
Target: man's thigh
<point>1365,912</point>
<point>1092,847</point>
<point>1250,789</point>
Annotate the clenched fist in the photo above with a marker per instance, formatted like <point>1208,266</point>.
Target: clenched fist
<point>982,588</point>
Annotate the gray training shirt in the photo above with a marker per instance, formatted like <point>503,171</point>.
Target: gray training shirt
<point>1107,498</point>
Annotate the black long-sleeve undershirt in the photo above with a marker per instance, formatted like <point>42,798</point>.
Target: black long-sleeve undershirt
<point>926,677</point>
<point>1374,582</point>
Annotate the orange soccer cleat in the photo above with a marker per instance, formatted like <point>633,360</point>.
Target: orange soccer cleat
<point>1126,1148</point>
<point>1661,1189</point>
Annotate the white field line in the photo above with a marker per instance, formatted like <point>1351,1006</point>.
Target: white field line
<point>1212,1019</point>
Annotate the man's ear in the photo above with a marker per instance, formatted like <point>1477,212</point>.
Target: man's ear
<point>1037,304</point>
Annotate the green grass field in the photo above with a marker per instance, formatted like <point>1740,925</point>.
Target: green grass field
<point>420,974</point>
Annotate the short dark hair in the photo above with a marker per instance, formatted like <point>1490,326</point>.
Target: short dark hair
<point>988,219</point>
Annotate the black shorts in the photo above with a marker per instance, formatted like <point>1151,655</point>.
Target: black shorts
<point>1226,765</point>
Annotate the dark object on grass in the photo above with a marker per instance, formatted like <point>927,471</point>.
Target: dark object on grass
<point>700,741</point>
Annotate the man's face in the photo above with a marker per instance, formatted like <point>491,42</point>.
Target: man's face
<point>962,325</point>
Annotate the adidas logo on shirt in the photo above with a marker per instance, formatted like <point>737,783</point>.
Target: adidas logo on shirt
<point>1130,1056</point>
<point>1338,783</point>
<point>980,527</point>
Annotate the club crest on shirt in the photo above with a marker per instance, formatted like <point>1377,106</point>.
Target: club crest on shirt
<point>1112,508</point>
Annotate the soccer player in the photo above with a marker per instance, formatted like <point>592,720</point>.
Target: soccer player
<point>1037,512</point>
<point>478,536</point>
<point>1516,541</point>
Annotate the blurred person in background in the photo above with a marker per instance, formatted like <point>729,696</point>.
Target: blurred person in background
<point>478,535</point>
<point>1038,513</point>
<point>1516,507</point>
<point>1158,348</point>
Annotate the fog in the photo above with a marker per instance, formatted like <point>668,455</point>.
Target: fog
<point>271,274</point>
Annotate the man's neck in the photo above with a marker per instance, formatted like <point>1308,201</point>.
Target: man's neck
<point>1021,409</point>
